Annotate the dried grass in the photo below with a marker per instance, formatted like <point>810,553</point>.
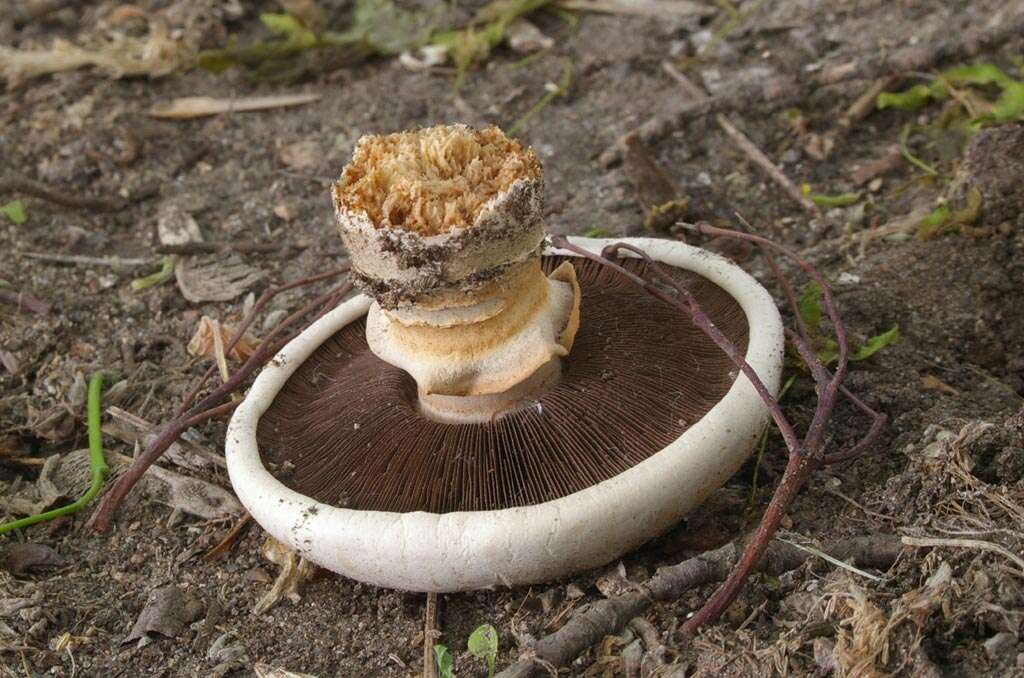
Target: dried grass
<point>155,55</point>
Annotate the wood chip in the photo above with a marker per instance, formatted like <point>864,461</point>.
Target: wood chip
<point>886,163</point>
<point>198,107</point>
<point>215,278</point>
<point>23,558</point>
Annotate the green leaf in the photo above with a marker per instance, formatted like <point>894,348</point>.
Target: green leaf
<point>483,644</point>
<point>829,352</point>
<point>810,306</point>
<point>912,99</point>
<point>875,344</point>
<point>910,157</point>
<point>1010,105</point>
<point>841,200</point>
<point>290,27</point>
<point>163,275</point>
<point>445,663</point>
<point>934,221</point>
<point>596,232</point>
<point>977,74</point>
<point>15,211</point>
<point>387,28</point>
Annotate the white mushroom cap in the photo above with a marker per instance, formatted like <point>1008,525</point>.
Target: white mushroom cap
<point>462,550</point>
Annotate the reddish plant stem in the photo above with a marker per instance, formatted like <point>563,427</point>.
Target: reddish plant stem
<point>208,407</point>
<point>24,301</point>
<point>700,319</point>
<point>804,456</point>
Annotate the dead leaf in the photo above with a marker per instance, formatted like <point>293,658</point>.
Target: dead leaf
<point>295,571</point>
<point>301,154</point>
<point>424,58</point>
<point>191,495</point>
<point>175,226</point>
<point>524,37</point>
<point>29,499</point>
<point>656,192</point>
<point>215,278</point>
<point>267,671</point>
<point>198,107</point>
<point>819,146</point>
<point>9,362</point>
<point>23,558</point>
<point>168,611</point>
<point>202,342</point>
<point>931,383</point>
<point>155,55</point>
<point>190,451</point>
<point>223,651</point>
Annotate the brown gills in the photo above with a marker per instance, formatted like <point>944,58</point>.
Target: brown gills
<point>345,429</point>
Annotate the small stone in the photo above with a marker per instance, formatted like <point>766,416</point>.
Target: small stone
<point>1000,645</point>
<point>876,185</point>
<point>574,592</point>
<point>301,154</point>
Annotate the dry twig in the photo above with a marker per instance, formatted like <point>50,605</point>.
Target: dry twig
<point>430,636</point>
<point>785,90</point>
<point>36,189</point>
<point>744,143</point>
<point>86,260</point>
<point>965,544</point>
<point>609,616</point>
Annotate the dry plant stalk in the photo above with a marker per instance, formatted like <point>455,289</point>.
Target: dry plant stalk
<point>219,402</point>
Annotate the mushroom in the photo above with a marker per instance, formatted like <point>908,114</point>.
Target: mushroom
<point>490,410</point>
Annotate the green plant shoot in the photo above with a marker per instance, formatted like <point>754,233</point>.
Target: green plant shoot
<point>483,644</point>
<point>97,464</point>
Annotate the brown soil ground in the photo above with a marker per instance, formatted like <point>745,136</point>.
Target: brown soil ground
<point>949,465</point>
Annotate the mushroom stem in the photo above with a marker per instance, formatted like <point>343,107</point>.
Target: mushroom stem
<point>444,228</point>
<point>484,408</point>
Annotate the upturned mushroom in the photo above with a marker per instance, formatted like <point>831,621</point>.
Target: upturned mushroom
<point>491,410</point>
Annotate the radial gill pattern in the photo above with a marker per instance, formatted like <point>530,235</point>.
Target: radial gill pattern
<point>345,428</point>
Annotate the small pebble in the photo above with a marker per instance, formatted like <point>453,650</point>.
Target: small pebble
<point>1000,644</point>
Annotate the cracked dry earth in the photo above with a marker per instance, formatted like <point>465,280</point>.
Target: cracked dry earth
<point>949,465</point>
